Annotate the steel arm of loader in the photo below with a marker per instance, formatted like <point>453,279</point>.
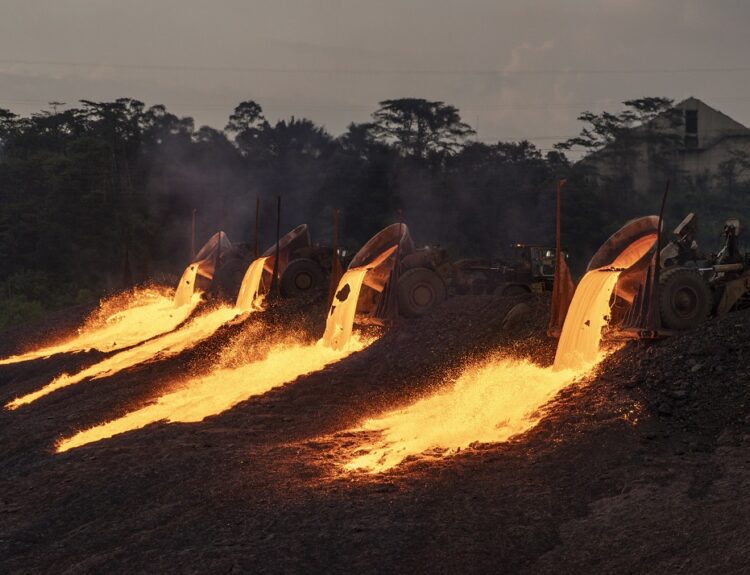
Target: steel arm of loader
<point>733,291</point>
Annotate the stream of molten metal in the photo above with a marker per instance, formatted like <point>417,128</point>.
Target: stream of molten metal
<point>249,297</point>
<point>186,286</point>
<point>496,400</point>
<point>340,319</point>
<point>167,345</point>
<point>221,389</point>
<point>589,311</point>
<point>343,308</point>
<point>147,313</point>
<point>200,397</point>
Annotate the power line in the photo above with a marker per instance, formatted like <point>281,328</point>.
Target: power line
<point>379,71</point>
<point>338,108</point>
<point>365,108</point>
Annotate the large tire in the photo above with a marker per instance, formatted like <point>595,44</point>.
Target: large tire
<point>301,276</point>
<point>685,299</point>
<point>418,259</point>
<point>419,289</point>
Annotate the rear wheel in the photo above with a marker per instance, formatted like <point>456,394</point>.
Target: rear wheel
<point>418,290</point>
<point>300,277</point>
<point>685,299</point>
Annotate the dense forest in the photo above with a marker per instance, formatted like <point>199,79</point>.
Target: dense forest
<point>100,196</point>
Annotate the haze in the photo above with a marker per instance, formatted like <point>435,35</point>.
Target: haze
<point>515,69</point>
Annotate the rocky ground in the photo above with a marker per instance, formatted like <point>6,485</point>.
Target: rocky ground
<point>642,468</point>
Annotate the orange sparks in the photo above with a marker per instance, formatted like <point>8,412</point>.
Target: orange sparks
<point>165,346</point>
<point>221,389</point>
<point>147,313</point>
<point>211,394</point>
<point>495,401</point>
<point>168,345</point>
<point>488,403</point>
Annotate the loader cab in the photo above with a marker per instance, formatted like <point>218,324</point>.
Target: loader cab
<point>536,263</point>
<point>730,253</point>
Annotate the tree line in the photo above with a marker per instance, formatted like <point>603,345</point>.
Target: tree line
<point>99,197</point>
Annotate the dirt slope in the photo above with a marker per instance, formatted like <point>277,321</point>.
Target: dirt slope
<point>644,468</point>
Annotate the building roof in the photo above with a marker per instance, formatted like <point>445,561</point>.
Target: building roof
<point>693,103</point>
<point>713,127</point>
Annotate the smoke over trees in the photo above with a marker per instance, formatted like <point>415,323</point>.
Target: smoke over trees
<point>100,196</point>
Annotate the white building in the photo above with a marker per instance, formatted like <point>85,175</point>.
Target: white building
<point>706,144</point>
<point>710,138</point>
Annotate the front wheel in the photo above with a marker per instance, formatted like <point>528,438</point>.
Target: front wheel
<point>301,276</point>
<point>419,289</point>
<point>685,299</point>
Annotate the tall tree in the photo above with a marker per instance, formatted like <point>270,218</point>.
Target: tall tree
<point>418,127</point>
<point>630,152</point>
<point>247,123</point>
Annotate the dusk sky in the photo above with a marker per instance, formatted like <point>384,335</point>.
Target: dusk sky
<point>515,69</point>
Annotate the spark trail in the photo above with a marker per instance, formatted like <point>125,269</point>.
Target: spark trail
<point>144,314</point>
<point>497,400</point>
<point>197,398</point>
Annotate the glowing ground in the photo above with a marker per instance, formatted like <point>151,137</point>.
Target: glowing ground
<point>259,488</point>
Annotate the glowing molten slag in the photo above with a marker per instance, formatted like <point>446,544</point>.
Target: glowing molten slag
<point>249,297</point>
<point>340,318</point>
<point>341,315</point>
<point>634,252</point>
<point>201,397</point>
<point>186,286</point>
<point>588,314</point>
<point>211,394</point>
<point>143,315</point>
<point>493,402</point>
<point>165,346</point>
<point>487,403</point>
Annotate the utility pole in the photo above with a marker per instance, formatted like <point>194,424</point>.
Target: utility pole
<point>192,238</point>
<point>336,271</point>
<point>257,226</point>
<point>274,290</point>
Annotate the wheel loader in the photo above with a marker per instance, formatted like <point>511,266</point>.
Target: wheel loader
<point>694,286</point>
<point>530,269</point>
<point>687,288</point>
<point>414,280</point>
<point>303,266</point>
<point>426,275</point>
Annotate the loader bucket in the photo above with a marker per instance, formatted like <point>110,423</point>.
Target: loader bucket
<point>200,272</point>
<point>393,235</point>
<point>207,258</point>
<point>298,238</point>
<point>630,249</point>
<point>618,250</point>
<point>381,256</point>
